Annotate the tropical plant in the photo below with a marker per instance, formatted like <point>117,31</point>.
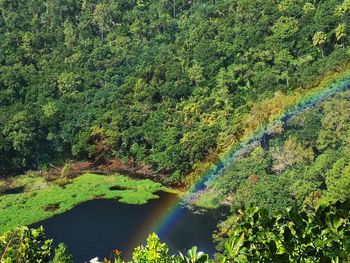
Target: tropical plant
<point>62,255</point>
<point>320,235</point>
<point>319,40</point>
<point>194,256</point>
<point>340,33</point>
<point>25,245</point>
<point>153,252</point>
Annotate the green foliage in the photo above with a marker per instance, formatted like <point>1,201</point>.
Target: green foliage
<point>193,256</point>
<point>335,124</point>
<point>162,83</point>
<point>343,8</point>
<point>340,32</point>
<point>153,252</point>
<point>25,245</point>
<point>307,236</point>
<point>169,84</point>
<point>62,255</point>
<point>308,8</point>
<point>303,161</point>
<point>319,39</point>
<point>338,180</point>
<point>30,246</point>
<point>285,27</point>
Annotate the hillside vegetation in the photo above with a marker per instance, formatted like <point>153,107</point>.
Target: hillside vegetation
<point>170,86</point>
<point>304,161</point>
<point>162,83</point>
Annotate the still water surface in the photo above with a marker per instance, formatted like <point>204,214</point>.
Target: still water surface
<point>95,228</point>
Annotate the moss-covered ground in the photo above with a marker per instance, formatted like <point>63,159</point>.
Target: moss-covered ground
<point>39,199</point>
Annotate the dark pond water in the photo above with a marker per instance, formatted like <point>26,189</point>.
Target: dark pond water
<point>12,191</point>
<point>95,228</point>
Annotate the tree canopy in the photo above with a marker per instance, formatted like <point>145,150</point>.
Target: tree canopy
<point>162,83</point>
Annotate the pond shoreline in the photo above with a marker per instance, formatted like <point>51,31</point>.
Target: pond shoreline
<point>39,199</point>
<point>96,227</point>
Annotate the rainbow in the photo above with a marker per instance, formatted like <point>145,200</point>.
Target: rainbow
<point>309,100</point>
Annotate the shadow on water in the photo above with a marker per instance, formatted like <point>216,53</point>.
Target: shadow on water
<point>12,191</point>
<point>95,228</point>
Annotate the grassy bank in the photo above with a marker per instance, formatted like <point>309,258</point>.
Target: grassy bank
<point>37,199</point>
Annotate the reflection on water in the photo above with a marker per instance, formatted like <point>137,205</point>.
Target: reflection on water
<point>96,227</point>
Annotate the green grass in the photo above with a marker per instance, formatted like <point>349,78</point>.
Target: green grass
<point>29,207</point>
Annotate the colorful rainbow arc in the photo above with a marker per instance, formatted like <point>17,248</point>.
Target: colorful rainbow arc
<point>237,150</point>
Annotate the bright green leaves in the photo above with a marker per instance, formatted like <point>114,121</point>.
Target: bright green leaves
<point>30,246</point>
<point>195,74</point>
<point>68,83</point>
<point>62,255</point>
<point>335,124</point>
<point>319,40</point>
<point>101,17</point>
<point>69,34</point>
<point>194,256</point>
<point>234,246</point>
<point>25,245</point>
<point>338,180</point>
<point>290,7</point>
<point>343,8</point>
<point>309,8</point>
<point>156,252</point>
<point>285,27</point>
<point>153,252</point>
<point>340,33</point>
<point>50,110</point>
<point>290,236</point>
<point>20,131</point>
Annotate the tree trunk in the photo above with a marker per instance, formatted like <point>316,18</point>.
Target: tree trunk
<point>174,8</point>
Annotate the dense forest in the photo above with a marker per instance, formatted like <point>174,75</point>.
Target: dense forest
<point>161,83</point>
<point>170,85</point>
<point>304,162</point>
